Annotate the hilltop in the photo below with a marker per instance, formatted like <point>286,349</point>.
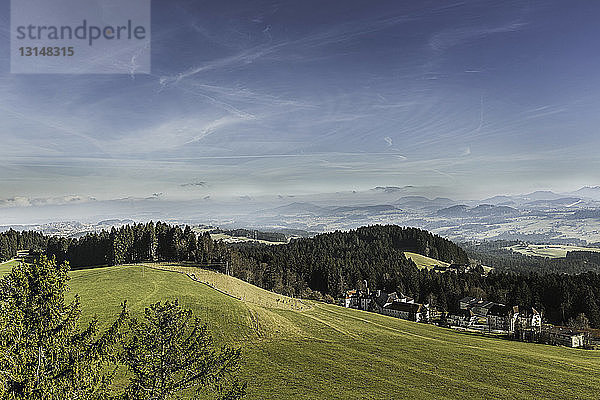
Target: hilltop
<point>333,262</point>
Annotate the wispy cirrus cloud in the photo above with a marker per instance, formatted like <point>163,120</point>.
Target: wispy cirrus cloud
<point>311,96</point>
<point>449,38</point>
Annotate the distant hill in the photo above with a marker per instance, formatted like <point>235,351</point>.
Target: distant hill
<point>333,262</point>
<point>482,210</point>
<point>499,200</point>
<point>299,207</point>
<point>112,222</point>
<point>542,195</point>
<point>365,209</point>
<point>420,202</point>
<point>560,202</point>
<point>309,208</point>
<point>539,198</point>
<point>591,192</point>
<point>459,210</point>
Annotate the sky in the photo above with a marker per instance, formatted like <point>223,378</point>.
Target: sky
<point>250,98</point>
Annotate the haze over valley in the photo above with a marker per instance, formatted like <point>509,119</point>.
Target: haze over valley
<point>537,217</point>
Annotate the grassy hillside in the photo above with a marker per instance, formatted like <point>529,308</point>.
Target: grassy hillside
<point>236,287</point>
<point>329,352</point>
<point>424,261</point>
<point>548,250</point>
<point>239,239</point>
<point>5,267</point>
<point>429,263</point>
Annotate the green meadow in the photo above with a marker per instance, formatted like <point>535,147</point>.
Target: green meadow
<point>548,250</point>
<point>427,262</point>
<point>306,350</point>
<point>424,261</point>
<point>6,266</point>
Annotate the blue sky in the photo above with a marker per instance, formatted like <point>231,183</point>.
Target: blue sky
<point>289,97</point>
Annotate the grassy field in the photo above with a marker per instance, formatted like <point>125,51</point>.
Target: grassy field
<point>231,239</point>
<point>240,239</point>
<point>236,287</point>
<point>5,267</point>
<point>429,263</point>
<point>324,351</point>
<point>548,250</point>
<point>424,262</point>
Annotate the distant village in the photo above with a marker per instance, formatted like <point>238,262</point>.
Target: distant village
<point>474,315</point>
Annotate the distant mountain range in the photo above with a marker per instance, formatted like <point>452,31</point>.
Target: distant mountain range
<point>309,208</point>
<point>545,215</point>
<point>557,217</point>
<point>589,192</point>
<point>482,210</point>
<point>547,197</point>
<point>422,202</point>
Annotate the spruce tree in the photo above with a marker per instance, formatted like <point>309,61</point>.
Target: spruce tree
<point>169,351</point>
<point>43,352</point>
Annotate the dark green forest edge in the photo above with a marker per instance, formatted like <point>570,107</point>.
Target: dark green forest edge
<point>324,266</point>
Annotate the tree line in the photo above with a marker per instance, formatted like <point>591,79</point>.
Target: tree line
<point>11,241</point>
<point>137,243</point>
<point>325,266</point>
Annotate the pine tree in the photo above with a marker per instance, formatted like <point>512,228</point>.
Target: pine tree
<point>150,243</point>
<point>191,244</point>
<point>43,353</point>
<point>170,351</point>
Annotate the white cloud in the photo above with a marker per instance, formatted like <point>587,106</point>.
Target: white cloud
<point>20,201</point>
